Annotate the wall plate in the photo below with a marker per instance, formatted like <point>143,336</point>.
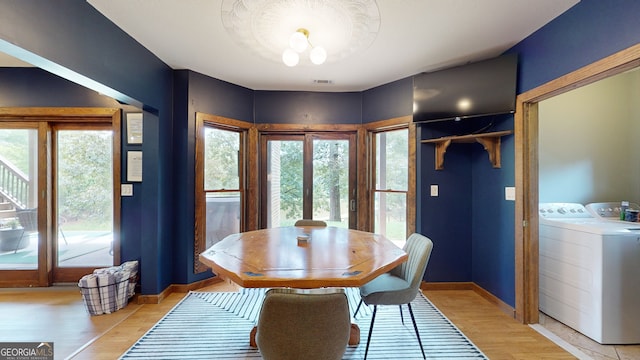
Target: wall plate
<point>126,189</point>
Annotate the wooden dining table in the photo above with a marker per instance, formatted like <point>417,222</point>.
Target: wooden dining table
<point>302,257</point>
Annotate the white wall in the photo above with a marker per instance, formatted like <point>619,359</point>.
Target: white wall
<point>589,143</point>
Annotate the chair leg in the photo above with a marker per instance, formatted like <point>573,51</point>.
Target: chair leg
<point>401,316</point>
<point>373,319</point>
<point>63,236</point>
<point>416,328</point>
<point>357,309</point>
<point>19,242</point>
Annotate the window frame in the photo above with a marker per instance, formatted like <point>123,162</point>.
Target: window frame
<point>247,132</point>
<point>372,129</point>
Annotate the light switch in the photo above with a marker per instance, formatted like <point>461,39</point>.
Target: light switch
<point>434,190</point>
<point>126,189</point>
<point>509,193</point>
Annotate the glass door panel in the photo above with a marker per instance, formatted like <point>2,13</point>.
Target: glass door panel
<point>84,198</point>
<point>310,176</point>
<point>18,199</point>
<point>284,182</point>
<point>331,182</point>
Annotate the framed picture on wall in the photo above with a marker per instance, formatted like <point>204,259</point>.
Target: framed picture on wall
<point>134,166</point>
<point>134,128</point>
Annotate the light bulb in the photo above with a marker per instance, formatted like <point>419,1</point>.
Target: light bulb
<point>318,55</point>
<point>298,41</point>
<point>290,57</point>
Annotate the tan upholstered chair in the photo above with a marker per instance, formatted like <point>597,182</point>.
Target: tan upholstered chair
<point>303,324</point>
<point>399,286</point>
<point>309,222</point>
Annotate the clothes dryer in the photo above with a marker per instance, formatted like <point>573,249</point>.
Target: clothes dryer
<point>609,211</point>
<point>589,273</point>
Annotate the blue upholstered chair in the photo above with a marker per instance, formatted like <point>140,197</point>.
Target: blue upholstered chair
<point>400,285</point>
<point>303,324</point>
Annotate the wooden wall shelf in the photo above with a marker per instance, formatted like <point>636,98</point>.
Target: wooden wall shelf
<point>490,141</point>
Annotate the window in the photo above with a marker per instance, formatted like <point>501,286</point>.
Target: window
<point>220,180</point>
<point>391,184</point>
<point>392,199</point>
<point>252,176</point>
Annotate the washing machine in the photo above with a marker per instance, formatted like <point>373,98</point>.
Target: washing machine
<point>589,273</point>
<point>609,211</point>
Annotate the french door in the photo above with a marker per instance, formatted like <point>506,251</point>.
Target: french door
<point>83,199</point>
<point>59,192</point>
<point>308,176</point>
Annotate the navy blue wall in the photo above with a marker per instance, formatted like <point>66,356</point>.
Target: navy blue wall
<point>195,92</point>
<point>299,107</point>
<point>388,101</point>
<point>25,87</point>
<point>469,221</point>
<point>589,31</point>
<point>492,225</point>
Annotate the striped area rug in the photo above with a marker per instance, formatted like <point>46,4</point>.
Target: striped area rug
<point>206,325</point>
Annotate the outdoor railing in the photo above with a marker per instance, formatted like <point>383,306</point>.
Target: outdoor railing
<point>14,184</point>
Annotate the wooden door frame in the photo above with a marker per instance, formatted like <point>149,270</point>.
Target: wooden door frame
<point>526,170</point>
<point>70,274</point>
<point>43,274</point>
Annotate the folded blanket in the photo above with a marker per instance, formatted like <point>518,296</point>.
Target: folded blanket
<point>132,267</point>
<point>90,293</point>
<point>106,284</point>
<point>122,288</point>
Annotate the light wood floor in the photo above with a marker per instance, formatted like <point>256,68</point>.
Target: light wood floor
<point>58,315</point>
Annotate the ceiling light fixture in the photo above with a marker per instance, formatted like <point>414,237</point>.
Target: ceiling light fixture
<point>298,43</point>
<point>265,27</point>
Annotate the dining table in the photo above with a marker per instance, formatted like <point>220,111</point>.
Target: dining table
<point>302,257</point>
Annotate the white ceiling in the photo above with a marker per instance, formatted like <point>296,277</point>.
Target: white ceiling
<point>415,36</point>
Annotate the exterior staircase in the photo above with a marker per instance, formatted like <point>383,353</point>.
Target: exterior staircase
<point>7,210</point>
<point>14,189</point>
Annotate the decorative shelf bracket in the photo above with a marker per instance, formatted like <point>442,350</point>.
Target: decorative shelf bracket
<point>490,141</point>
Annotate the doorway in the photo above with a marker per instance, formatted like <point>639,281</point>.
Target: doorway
<point>308,176</point>
<point>59,189</point>
<point>526,160</point>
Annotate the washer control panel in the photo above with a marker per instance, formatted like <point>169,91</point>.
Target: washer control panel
<point>563,211</point>
<point>609,210</point>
